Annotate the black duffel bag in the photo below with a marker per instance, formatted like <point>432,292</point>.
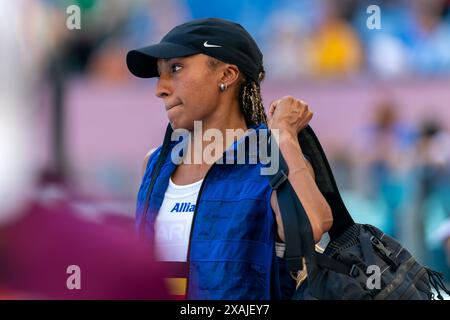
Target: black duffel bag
<point>360,261</point>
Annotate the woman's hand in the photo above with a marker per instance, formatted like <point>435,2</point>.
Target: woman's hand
<point>289,115</point>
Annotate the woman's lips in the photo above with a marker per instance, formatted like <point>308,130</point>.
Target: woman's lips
<point>171,107</point>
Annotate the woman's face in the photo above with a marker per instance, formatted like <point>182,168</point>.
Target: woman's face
<point>189,88</point>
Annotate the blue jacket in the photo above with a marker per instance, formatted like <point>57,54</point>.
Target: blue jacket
<point>231,253</point>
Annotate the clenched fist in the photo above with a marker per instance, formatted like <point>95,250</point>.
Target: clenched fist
<point>289,115</point>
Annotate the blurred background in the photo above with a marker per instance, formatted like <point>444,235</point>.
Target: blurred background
<point>73,118</point>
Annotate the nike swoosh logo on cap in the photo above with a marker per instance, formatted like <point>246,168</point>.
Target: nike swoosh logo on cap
<point>210,45</point>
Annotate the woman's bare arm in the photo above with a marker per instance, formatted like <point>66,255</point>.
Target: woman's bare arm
<point>289,116</point>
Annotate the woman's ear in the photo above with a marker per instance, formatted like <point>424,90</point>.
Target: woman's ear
<point>230,74</point>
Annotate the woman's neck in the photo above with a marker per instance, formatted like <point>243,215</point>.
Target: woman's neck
<point>227,115</point>
<point>228,121</point>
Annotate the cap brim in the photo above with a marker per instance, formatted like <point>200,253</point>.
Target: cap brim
<point>142,62</point>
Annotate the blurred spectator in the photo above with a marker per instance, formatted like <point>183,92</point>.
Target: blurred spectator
<point>386,150</point>
<point>432,170</point>
<point>431,45</point>
<point>136,24</point>
<point>286,49</point>
<point>335,48</point>
<point>388,48</point>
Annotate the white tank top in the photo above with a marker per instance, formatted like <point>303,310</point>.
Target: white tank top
<point>174,221</point>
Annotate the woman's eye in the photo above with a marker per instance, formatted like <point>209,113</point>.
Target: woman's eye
<point>176,68</point>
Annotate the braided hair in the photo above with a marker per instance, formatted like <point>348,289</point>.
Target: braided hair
<point>250,100</point>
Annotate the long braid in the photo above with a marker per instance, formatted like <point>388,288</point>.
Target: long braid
<point>250,101</point>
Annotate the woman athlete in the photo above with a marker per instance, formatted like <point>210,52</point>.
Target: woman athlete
<point>217,225</point>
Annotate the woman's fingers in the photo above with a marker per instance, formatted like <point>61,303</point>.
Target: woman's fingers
<point>272,107</point>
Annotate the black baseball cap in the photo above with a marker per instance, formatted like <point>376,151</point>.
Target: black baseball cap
<point>224,40</point>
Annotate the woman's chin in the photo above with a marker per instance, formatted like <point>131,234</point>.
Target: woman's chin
<point>177,123</point>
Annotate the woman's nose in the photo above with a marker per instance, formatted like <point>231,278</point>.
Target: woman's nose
<point>162,88</point>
